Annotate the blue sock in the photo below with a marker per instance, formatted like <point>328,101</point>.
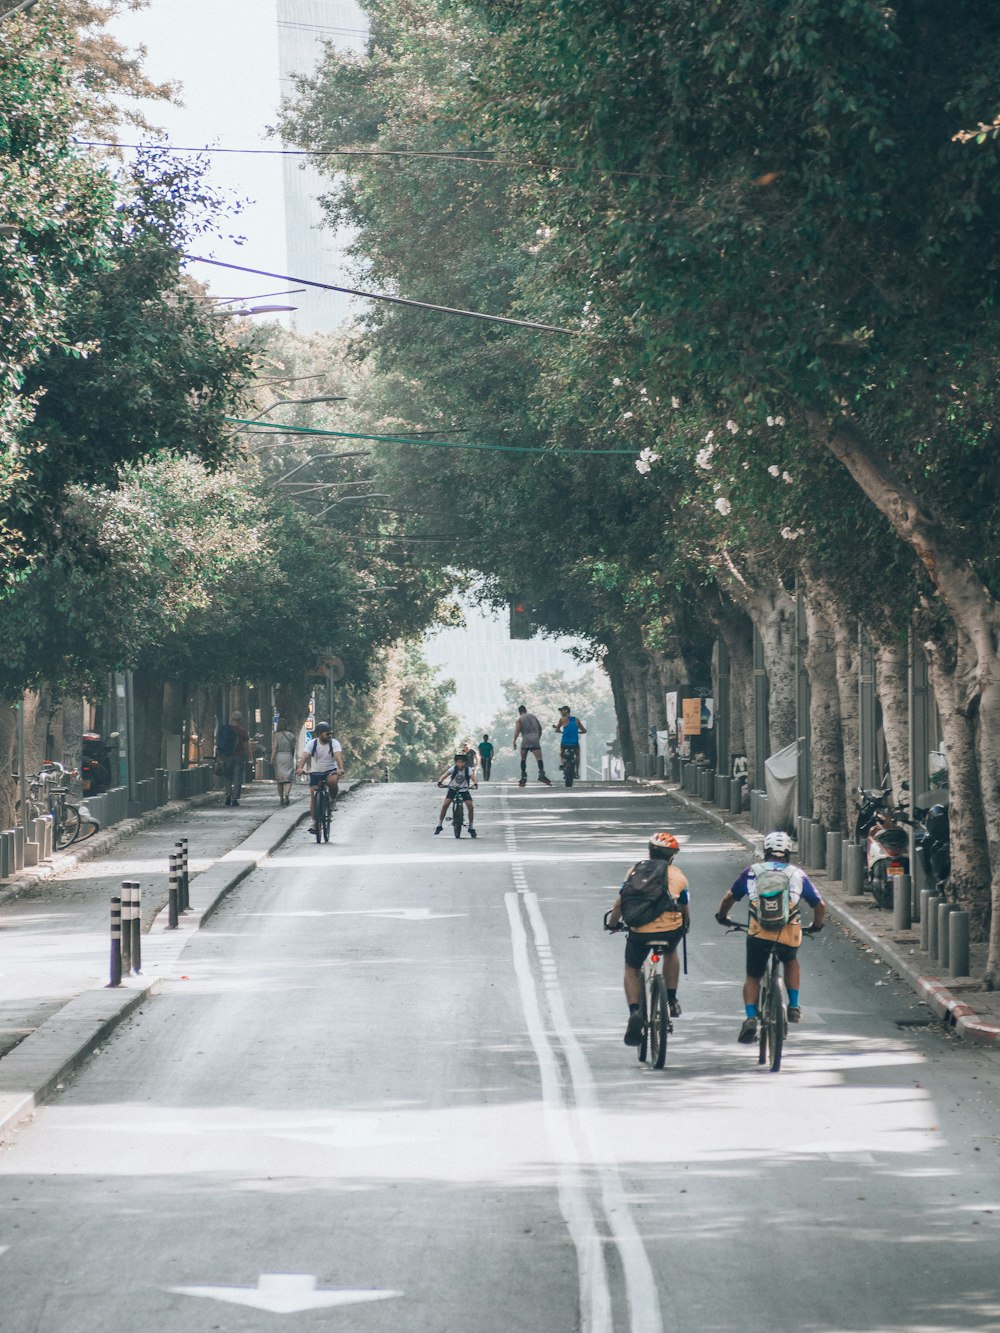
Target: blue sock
<point>793,999</point>
<point>751,1010</point>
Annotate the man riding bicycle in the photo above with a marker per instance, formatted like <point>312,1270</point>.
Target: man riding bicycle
<point>460,782</point>
<point>569,741</point>
<point>325,758</point>
<point>759,883</point>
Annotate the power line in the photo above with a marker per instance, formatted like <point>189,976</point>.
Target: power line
<point>394,300</point>
<point>441,444</point>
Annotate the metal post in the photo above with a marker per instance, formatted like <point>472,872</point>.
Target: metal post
<point>916,902</point>
<point>182,854</point>
<point>172,893</point>
<point>126,926</point>
<point>136,927</point>
<point>116,942</point>
<point>924,918</point>
<point>854,859</point>
<point>932,925</point>
<point>901,902</point>
<point>958,945</point>
<point>944,935</point>
<point>817,841</point>
<point>735,797</point>
<point>834,851</point>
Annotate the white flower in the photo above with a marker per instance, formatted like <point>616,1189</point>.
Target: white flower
<point>648,456</point>
<point>792,534</point>
<point>710,437</point>
<point>627,416</point>
<point>770,421</point>
<point>617,382</point>
<point>723,505</point>
<point>774,470</point>
<point>704,457</point>
<point>641,466</point>
<point>675,402</point>
<point>787,477</point>
<point>779,421</point>
<point>732,427</point>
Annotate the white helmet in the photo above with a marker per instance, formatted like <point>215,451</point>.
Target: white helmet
<point>778,842</point>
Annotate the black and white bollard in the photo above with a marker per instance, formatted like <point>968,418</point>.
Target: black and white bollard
<point>116,942</point>
<point>182,866</point>
<point>126,931</point>
<point>173,893</point>
<point>136,927</point>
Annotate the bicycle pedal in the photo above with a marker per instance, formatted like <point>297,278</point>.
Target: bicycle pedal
<point>670,1026</point>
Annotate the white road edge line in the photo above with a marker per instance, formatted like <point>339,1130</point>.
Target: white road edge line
<point>574,1203</point>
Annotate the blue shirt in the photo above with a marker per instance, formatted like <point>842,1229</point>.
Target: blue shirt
<point>571,732</point>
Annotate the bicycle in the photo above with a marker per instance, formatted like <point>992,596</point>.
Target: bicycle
<point>458,799</point>
<point>324,812</point>
<point>772,1018</point>
<point>568,758</point>
<point>70,822</point>
<point>656,1022</point>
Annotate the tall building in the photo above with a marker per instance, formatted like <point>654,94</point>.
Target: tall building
<point>313,251</point>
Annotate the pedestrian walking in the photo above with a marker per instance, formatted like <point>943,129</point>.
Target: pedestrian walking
<point>283,761</point>
<point>233,748</point>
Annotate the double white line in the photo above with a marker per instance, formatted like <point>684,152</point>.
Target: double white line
<point>570,1112</point>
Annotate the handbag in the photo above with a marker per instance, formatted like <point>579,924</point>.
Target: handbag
<point>218,767</point>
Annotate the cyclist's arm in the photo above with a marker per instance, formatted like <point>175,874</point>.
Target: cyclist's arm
<point>811,895</point>
<point>726,906</point>
<point>338,754</point>
<point>581,728</point>
<point>558,726</point>
<point>615,915</point>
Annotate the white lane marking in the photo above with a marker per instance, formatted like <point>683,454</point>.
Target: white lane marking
<point>640,1284</point>
<point>285,1293</point>
<point>574,1203</point>
<point>391,913</point>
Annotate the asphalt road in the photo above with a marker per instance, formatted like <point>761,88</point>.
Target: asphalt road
<point>388,1091</point>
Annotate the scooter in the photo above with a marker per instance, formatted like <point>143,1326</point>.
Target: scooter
<point>887,844</point>
<point>96,767</point>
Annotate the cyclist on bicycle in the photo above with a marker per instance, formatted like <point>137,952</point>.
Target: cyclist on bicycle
<point>325,757</point>
<point>785,940</point>
<point>669,926</point>
<point>569,741</point>
<point>460,783</point>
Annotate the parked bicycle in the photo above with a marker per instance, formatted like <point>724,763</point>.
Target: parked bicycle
<point>772,1016</point>
<point>656,1023</point>
<point>71,822</point>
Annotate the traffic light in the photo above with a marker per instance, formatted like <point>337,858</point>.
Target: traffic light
<point>520,621</point>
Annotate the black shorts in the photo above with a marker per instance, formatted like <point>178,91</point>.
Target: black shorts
<point>462,795</point>
<point>638,945</point>
<point>759,951</point>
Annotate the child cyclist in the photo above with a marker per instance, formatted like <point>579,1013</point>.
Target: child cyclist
<point>460,781</point>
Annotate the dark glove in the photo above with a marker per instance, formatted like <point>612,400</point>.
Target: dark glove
<point>814,929</point>
<point>722,920</point>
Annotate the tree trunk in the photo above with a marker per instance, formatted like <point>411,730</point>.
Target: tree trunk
<point>892,687</point>
<point>845,631</point>
<point>972,608</point>
<point>147,710</point>
<point>969,880</point>
<point>617,680</point>
<point>827,746</point>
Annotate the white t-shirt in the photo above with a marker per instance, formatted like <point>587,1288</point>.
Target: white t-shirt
<point>325,756</point>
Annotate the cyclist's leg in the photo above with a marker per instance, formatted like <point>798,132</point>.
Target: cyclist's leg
<point>757,956</point>
<point>792,978</point>
<point>635,955</point>
<point>468,808</point>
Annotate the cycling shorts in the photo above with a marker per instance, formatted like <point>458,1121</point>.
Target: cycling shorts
<point>758,952</point>
<point>638,945</point>
<point>460,792</point>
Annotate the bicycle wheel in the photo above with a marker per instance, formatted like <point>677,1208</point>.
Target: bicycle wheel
<point>69,826</point>
<point>643,1046</point>
<point>773,1016</point>
<point>322,805</point>
<point>88,827</point>
<point>659,1023</point>
<point>568,767</point>
<point>762,1003</point>
<point>327,815</point>
<point>457,815</point>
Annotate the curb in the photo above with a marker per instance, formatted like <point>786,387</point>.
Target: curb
<point>935,994</point>
<point>39,1065</point>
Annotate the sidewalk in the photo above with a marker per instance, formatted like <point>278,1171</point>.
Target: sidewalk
<point>55,1003</point>
<point>961,1002</point>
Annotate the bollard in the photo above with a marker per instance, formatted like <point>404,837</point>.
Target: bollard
<point>834,851</point>
<point>136,927</point>
<point>116,942</point>
<point>735,797</point>
<point>958,943</point>
<point>901,902</point>
<point>173,891</point>
<point>944,910</point>
<point>924,918</point>
<point>915,902</point>
<point>126,929</point>
<point>932,926</point>
<point>854,860</point>
<point>182,867</point>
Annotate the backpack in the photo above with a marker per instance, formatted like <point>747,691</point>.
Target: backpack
<point>645,894</point>
<point>773,905</point>
<point>225,741</point>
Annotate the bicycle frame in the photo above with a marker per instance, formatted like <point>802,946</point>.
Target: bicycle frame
<point>656,1024</point>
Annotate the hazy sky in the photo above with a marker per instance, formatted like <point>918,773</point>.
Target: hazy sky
<point>224,53</point>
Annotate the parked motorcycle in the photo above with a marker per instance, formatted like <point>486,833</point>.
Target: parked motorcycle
<point>881,827</point>
<point>96,765</point>
<point>931,808</point>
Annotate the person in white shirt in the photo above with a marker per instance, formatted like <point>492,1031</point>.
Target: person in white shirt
<point>325,757</point>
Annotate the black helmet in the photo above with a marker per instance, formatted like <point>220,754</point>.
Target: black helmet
<point>461,755</point>
<point>323,726</point>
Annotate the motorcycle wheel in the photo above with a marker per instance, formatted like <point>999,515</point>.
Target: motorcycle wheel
<point>881,887</point>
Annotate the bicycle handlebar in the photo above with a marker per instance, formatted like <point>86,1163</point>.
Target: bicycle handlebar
<point>738,926</point>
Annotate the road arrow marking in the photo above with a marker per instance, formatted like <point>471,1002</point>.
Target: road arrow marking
<point>285,1293</point>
